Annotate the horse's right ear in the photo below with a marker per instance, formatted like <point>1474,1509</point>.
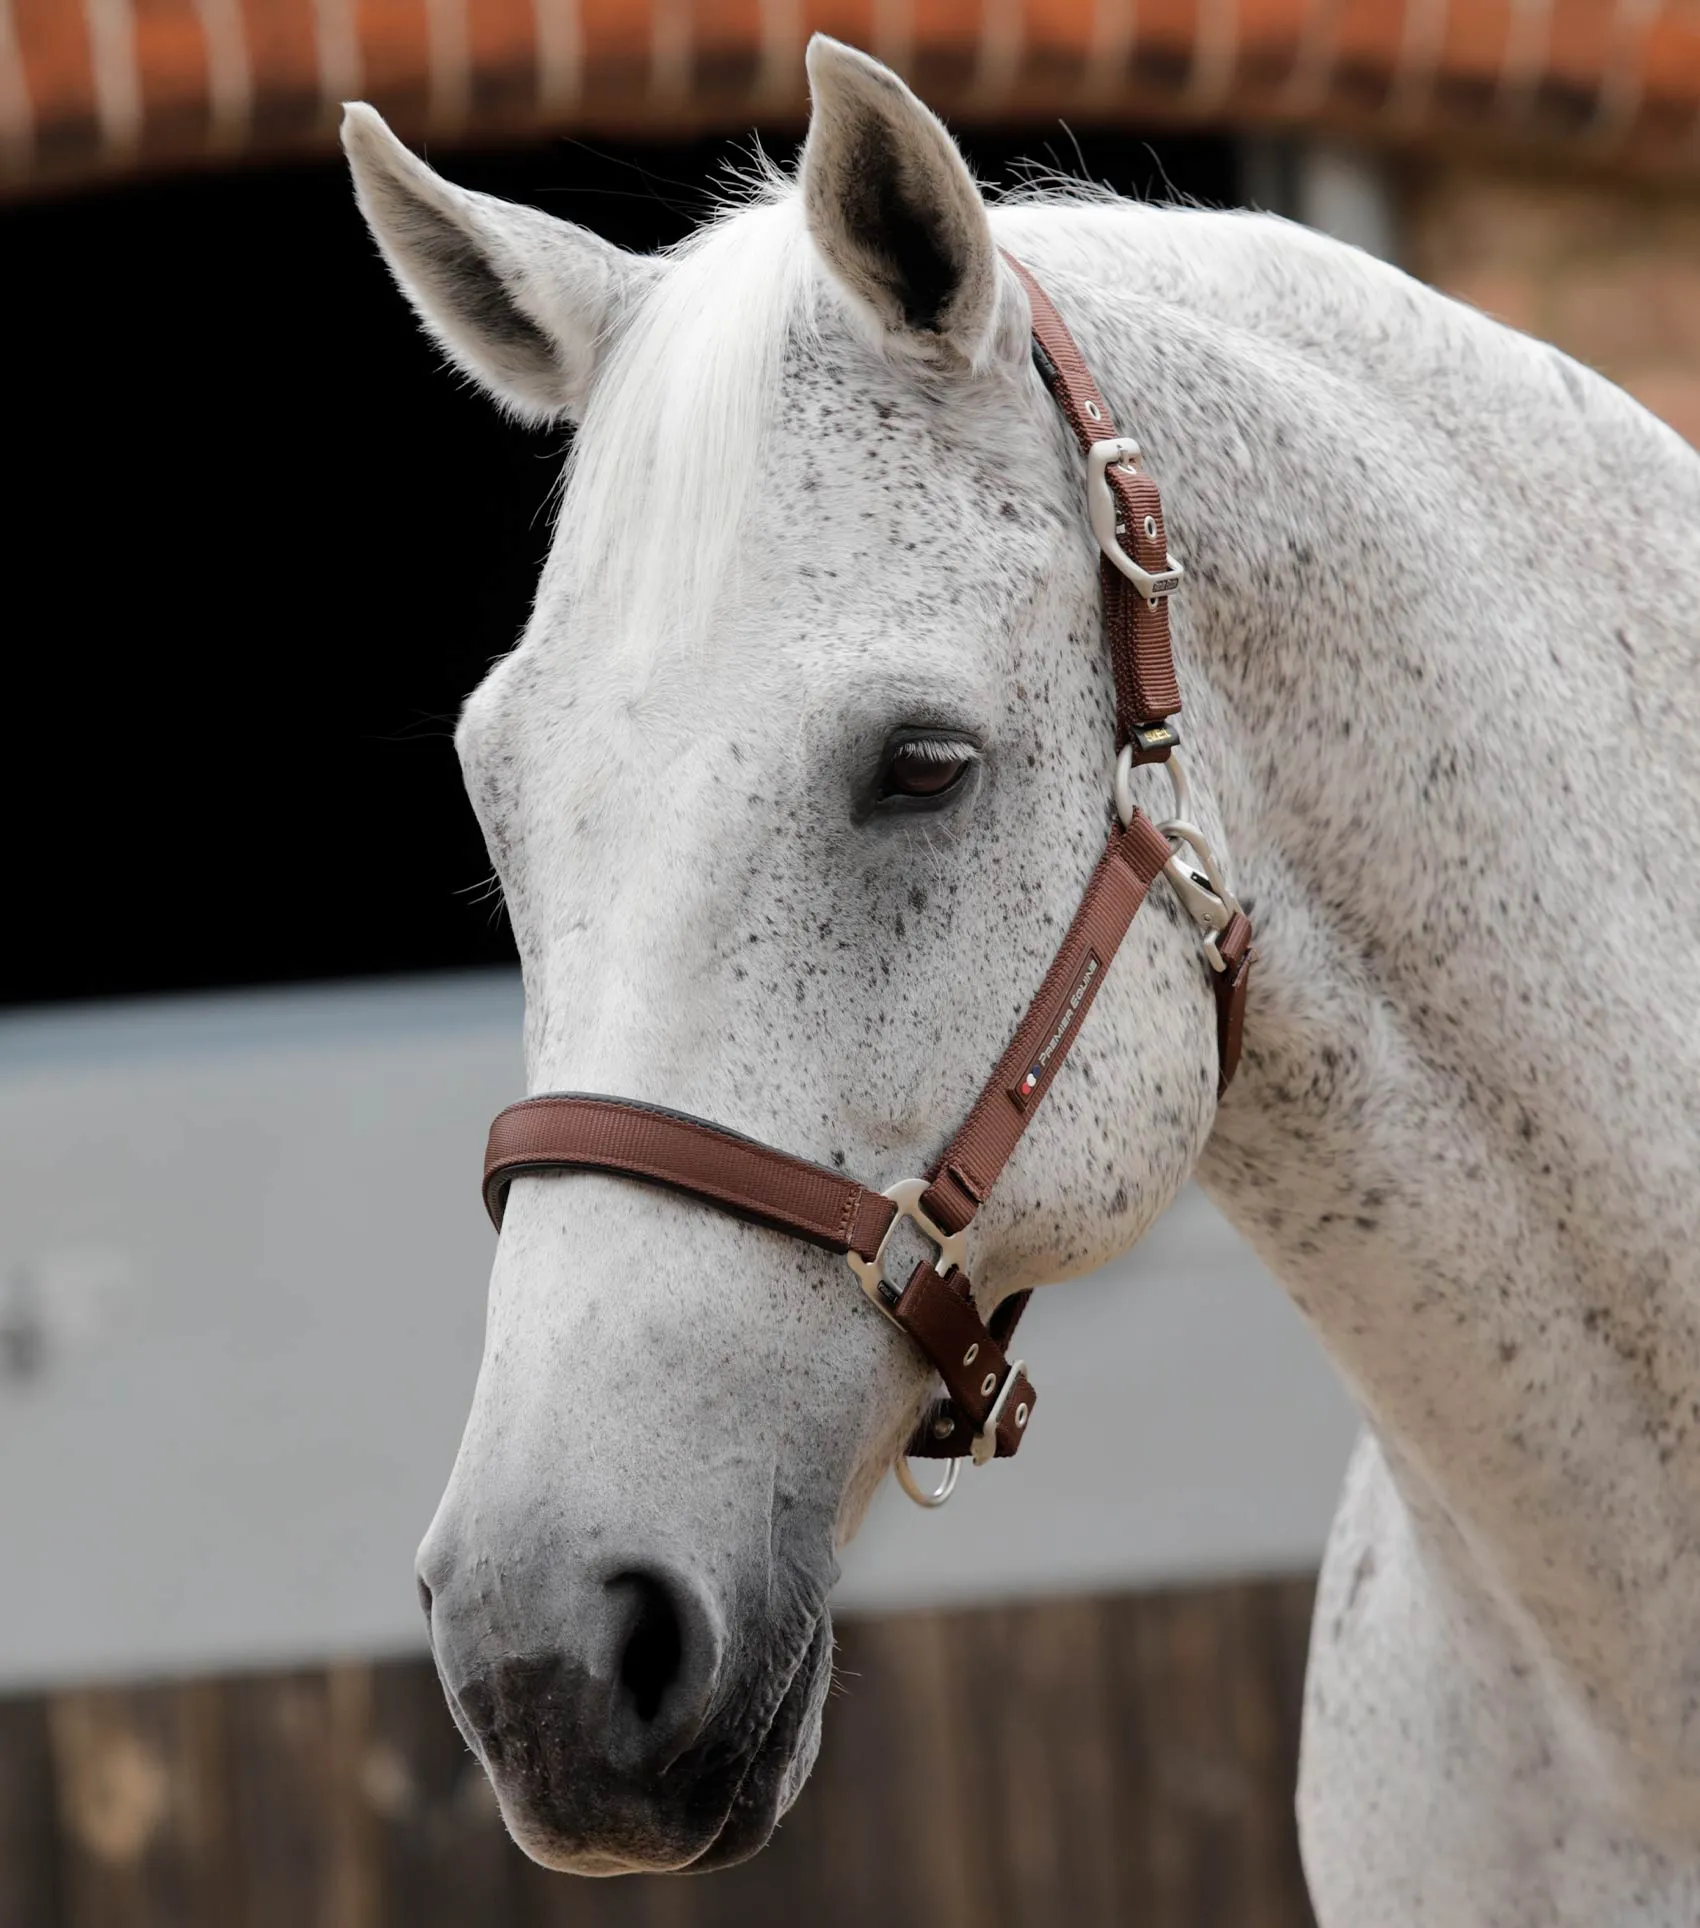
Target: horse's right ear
<point>521,302</point>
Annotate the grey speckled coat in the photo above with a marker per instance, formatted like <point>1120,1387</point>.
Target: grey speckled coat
<point>1438,650</point>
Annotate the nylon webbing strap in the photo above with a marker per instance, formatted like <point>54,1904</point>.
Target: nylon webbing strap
<point>1137,632</point>
<point>964,1176</point>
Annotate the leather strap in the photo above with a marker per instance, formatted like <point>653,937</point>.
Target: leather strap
<point>968,1354</point>
<point>1232,984</point>
<point>1142,656</point>
<point>583,1132</point>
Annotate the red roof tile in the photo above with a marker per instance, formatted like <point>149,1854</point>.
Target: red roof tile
<point>94,87</point>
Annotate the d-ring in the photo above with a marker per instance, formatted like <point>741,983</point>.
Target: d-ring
<point>1121,786</point>
<point>918,1493</point>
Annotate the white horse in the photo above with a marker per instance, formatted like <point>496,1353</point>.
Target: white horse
<point>792,783</point>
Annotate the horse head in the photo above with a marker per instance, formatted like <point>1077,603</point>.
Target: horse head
<point>792,784</point>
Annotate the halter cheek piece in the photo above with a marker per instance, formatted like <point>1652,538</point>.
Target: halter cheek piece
<point>990,1398</point>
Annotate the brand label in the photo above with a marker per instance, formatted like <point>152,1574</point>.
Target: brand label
<point>1037,1071</point>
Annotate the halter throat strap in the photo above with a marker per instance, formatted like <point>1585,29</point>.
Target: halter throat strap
<point>989,1397</point>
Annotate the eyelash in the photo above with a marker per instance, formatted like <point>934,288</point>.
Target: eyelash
<point>903,780</point>
<point>936,749</point>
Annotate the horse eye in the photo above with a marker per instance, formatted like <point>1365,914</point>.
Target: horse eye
<point>926,768</point>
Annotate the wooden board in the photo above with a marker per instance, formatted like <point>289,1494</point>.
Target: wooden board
<point>1056,1765</point>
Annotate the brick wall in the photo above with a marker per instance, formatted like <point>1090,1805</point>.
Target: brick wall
<point>1609,270</point>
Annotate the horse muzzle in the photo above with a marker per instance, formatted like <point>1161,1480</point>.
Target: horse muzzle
<point>639,1737</point>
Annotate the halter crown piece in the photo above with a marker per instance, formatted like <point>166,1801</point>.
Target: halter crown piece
<point>989,1398</point>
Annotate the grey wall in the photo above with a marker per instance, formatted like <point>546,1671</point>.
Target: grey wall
<point>242,1264</point>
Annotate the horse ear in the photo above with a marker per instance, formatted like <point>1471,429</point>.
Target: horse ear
<point>521,302</point>
<point>894,211</point>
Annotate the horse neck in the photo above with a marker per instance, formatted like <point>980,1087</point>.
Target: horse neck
<point>1463,1132</point>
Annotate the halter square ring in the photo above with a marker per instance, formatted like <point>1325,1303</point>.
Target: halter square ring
<point>906,1195</point>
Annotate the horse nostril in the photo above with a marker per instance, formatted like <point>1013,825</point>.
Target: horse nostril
<point>424,1597</point>
<point>654,1648</point>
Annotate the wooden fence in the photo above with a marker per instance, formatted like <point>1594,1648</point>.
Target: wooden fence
<point>1076,1764</point>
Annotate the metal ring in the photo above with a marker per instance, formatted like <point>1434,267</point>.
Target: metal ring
<point>1215,907</point>
<point>1122,784</point>
<point>918,1493</point>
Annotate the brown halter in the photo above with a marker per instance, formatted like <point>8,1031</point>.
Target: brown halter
<point>990,1398</point>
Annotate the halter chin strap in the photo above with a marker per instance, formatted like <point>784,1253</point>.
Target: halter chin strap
<point>990,1398</point>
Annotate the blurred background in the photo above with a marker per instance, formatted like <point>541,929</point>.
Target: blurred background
<point>258,1008</point>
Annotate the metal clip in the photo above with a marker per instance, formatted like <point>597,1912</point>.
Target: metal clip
<point>1102,507</point>
<point>1207,900</point>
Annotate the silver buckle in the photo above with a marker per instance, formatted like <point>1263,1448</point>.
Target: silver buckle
<point>906,1196</point>
<point>985,1444</point>
<point>1102,507</point>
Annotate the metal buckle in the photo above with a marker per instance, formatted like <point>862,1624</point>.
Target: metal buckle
<point>1207,899</point>
<point>982,1448</point>
<point>985,1444</point>
<point>1102,507</point>
<point>906,1196</point>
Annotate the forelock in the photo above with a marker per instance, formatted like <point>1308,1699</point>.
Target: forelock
<point>667,457</point>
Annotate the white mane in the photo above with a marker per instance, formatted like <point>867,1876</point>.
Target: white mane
<point>671,442</point>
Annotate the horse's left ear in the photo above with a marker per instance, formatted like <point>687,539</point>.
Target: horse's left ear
<point>896,215</point>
